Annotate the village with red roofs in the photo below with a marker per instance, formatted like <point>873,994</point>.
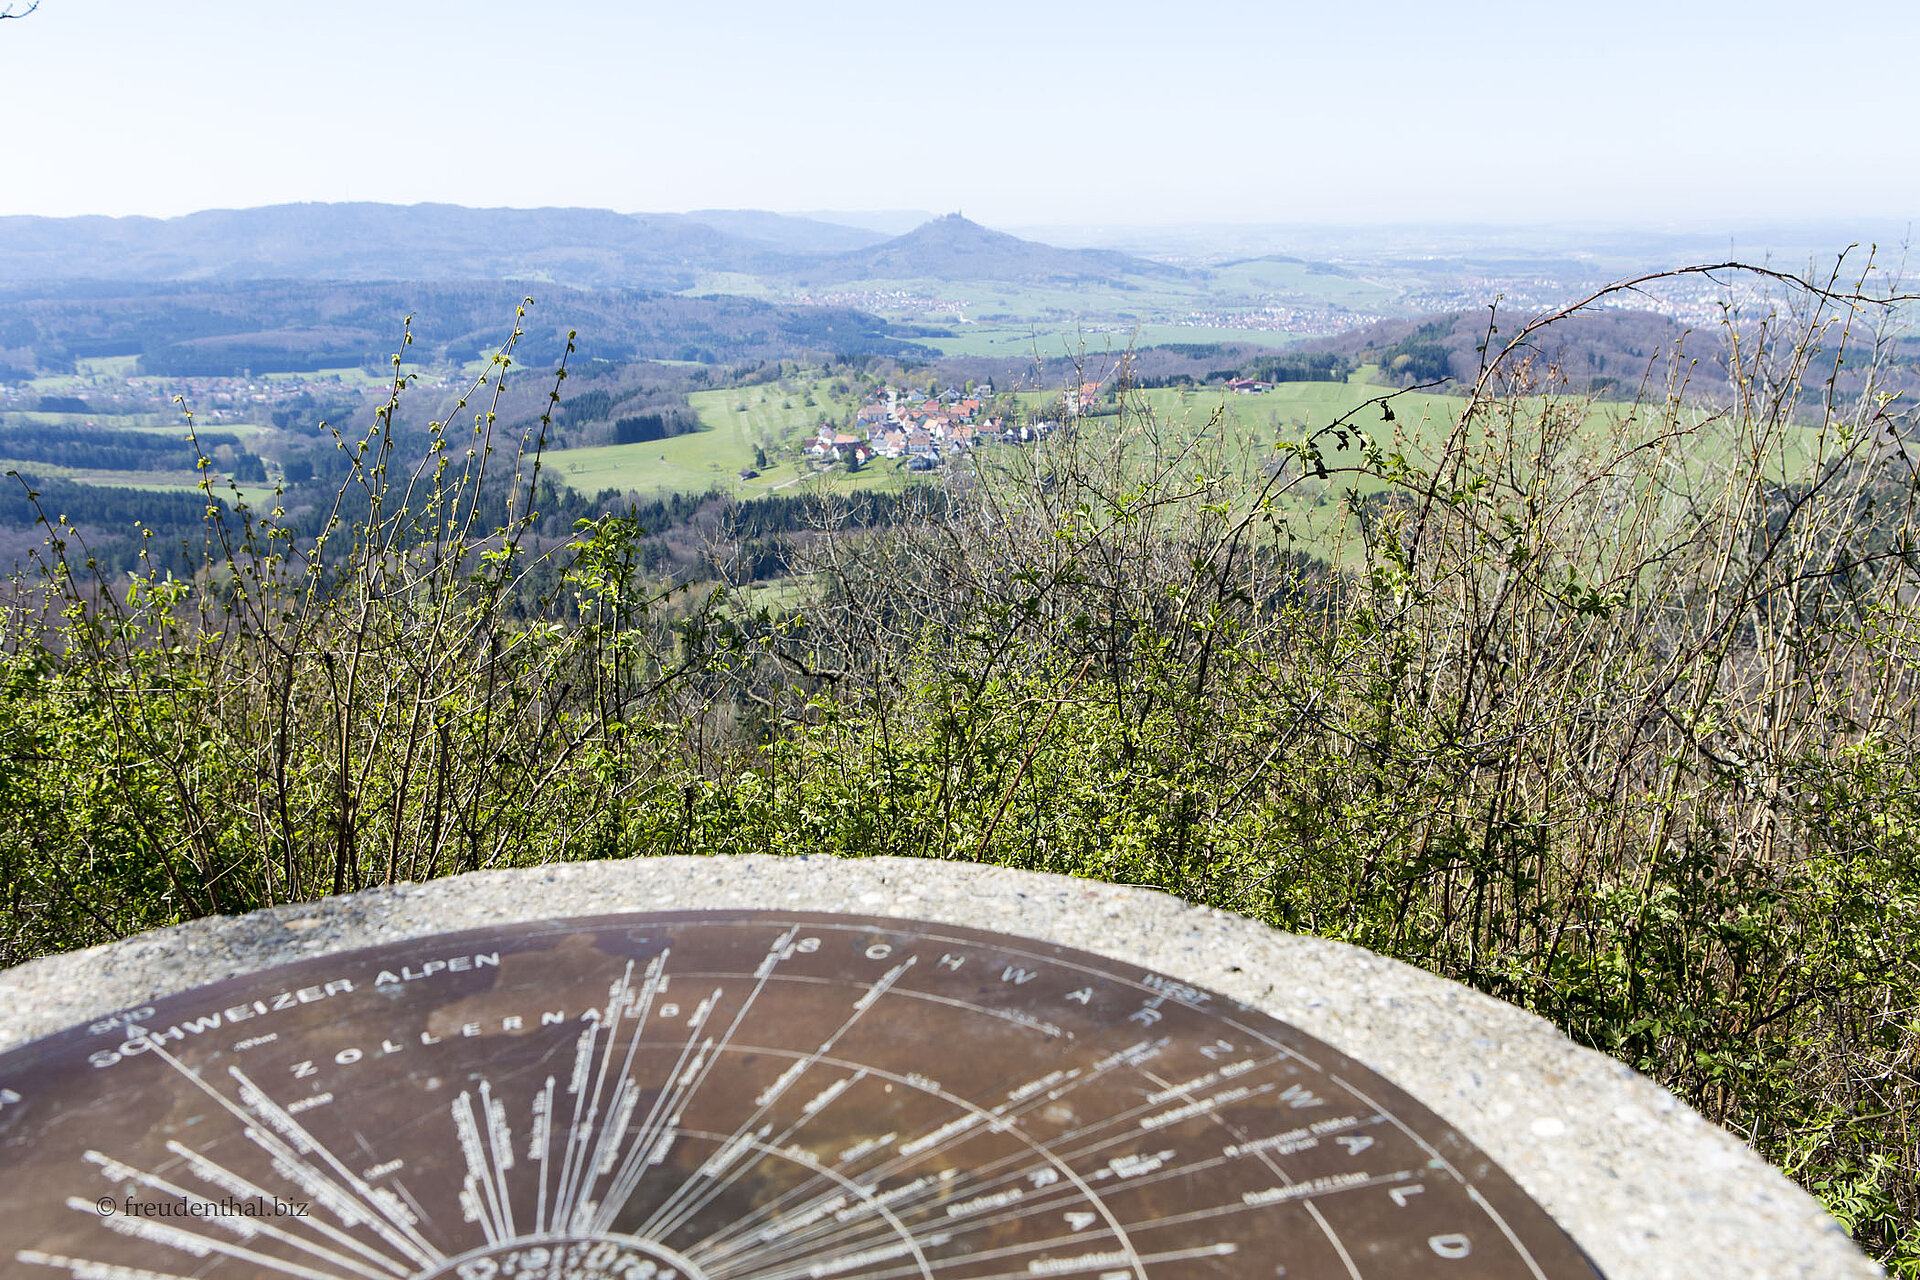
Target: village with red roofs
<point>928,428</point>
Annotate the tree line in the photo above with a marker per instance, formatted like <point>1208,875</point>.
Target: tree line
<point>104,449</point>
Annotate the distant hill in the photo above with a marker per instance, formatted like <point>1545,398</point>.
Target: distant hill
<point>787,233</point>
<point>886,222</point>
<point>953,248</point>
<point>582,248</point>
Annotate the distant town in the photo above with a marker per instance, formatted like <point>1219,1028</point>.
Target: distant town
<point>928,428</point>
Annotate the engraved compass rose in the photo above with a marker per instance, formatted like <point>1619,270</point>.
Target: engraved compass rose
<point>730,1095</point>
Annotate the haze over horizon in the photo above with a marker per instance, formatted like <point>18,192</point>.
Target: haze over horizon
<point>1693,115</point>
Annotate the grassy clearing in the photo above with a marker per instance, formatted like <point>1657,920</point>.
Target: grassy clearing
<point>685,464</point>
<point>1050,340</point>
<point>107,366</point>
<point>152,481</point>
<point>699,462</point>
<point>360,378</point>
<point>1253,430</point>
<point>1265,276</point>
<point>773,417</point>
<point>775,413</point>
<point>998,318</point>
<point>174,427</point>
<point>157,424</point>
<point>116,421</point>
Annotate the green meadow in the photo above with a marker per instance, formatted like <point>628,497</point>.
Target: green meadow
<point>997,318</point>
<point>776,417</point>
<point>155,481</point>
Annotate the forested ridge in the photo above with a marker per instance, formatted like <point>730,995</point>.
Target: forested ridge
<point>219,330</point>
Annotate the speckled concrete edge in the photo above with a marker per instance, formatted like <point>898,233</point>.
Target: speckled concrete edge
<point>1650,1189</point>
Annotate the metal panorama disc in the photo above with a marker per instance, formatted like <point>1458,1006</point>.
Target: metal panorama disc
<point>721,1095</point>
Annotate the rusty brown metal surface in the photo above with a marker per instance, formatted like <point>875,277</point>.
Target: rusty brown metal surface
<point>725,1095</point>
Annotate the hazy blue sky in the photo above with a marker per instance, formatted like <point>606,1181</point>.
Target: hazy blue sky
<point>1021,112</point>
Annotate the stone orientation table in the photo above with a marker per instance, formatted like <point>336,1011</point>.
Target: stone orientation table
<point>803,1068</point>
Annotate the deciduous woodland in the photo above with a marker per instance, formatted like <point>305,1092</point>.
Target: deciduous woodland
<point>1609,710</point>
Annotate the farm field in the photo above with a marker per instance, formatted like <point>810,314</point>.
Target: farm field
<point>157,424</point>
<point>1052,340</point>
<point>654,467</point>
<point>773,413</point>
<point>115,367</point>
<point>685,464</point>
<point>359,378</point>
<point>773,416</point>
<point>988,318</point>
<point>1421,418</point>
<point>152,481</point>
<point>155,421</point>
<point>776,417</point>
<point>1318,282</point>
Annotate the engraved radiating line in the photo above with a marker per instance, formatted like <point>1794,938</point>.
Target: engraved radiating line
<point>641,1145</point>
<point>828,1217</point>
<point>1333,1238</point>
<point>1001,1116</point>
<point>648,1146</point>
<point>1169,1170</point>
<point>1016,1106</point>
<point>357,1195</point>
<point>478,1196</point>
<point>1165,1171</point>
<point>208,1170</point>
<point>372,1206</point>
<point>1225,1248</point>
<point>1085,1243</point>
<point>627,1091</point>
<point>1268,1158</point>
<point>1014,1016</point>
<point>192,1243</point>
<point>995,1119</point>
<point>805,1239</point>
<point>584,1135</point>
<point>921,1264</point>
<point>1049,1201</point>
<point>576,1085</point>
<point>1090,1257</point>
<point>117,1171</point>
<point>651,1146</point>
<point>468,1140</point>
<point>648,1149</point>
<point>890,1206</point>
<point>669,1216</point>
<point>573,1169</point>
<point>1054,1196</point>
<point>500,1148</point>
<point>1525,1255</point>
<point>718,1242</point>
<point>86,1267</point>
<point>1242,1206</point>
<point>627,1178</point>
<point>539,1143</point>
